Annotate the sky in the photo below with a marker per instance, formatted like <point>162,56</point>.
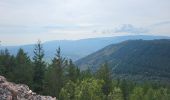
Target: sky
<point>26,21</point>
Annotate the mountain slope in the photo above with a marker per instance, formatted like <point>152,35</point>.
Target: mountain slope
<point>76,49</point>
<point>133,57</point>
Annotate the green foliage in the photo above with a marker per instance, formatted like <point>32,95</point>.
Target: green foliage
<point>159,94</point>
<point>133,59</point>
<point>104,73</point>
<point>68,91</point>
<point>72,72</point>
<point>39,67</point>
<point>23,73</point>
<point>89,89</point>
<point>116,94</point>
<point>127,88</point>
<point>150,94</point>
<point>137,94</point>
<point>64,80</point>
<point>86,74</point>
<point>54,79</point>
<point>7,63</point>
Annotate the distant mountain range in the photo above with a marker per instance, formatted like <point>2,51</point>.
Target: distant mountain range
<point>133,58</point>
<point>76,49</point>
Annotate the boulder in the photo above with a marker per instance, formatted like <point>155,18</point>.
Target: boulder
<point>12,91</point>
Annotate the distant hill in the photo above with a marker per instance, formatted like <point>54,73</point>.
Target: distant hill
<point>76,49</point>
<point>142,58</point>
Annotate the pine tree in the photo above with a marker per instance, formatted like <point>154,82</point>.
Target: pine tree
<point>125,87</point>
<point>72,71</point>
<point>23,72</point>
<point>7,64</point>
<point>39,67</point>
<point>104,73</point>
<point>54,80</point>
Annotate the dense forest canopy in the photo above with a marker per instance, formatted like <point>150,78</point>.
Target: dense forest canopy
<point>134,59</point>
<point>64,80</point>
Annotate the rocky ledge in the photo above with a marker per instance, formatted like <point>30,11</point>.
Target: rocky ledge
<point>12,91</point>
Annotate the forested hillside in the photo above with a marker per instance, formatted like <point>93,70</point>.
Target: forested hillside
<point>64,80</point>
<point>131,58</point>
<point>76,49</point>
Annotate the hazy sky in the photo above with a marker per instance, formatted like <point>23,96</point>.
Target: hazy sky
<point>25,21</point>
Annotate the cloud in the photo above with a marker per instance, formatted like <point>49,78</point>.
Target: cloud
<point>160,24</point>
<point>128,28</point>
<point>161,28</point>
<point>83,18</point>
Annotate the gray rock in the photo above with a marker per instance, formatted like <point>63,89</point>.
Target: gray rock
<point>12,91</point>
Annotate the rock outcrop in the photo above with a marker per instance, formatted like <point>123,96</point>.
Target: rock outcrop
<point>12,91</point>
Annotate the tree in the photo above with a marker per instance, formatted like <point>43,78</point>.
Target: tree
<point>162,94</point>
<point>67,92</point>
<point>23,72</point>
<point>149,95</point>
<point>54,79</point>
<point>73,72</point>
<point>7,63</point>
<point>85,74</point>
<point>116,94</point>
<point>39,67</point>
<point>104,73</point>
<point>126,88</point>
<point>157,94</point>
<point>137,94</point>
<point>89,89</point>
<point>3,66</point>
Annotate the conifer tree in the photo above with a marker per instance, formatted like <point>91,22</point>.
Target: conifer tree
<point>125,89</point>
<point>54,80</point>
<point>7,63</point>
<point>39,67</point>
<point>104,73</point>
<point>23,72</point>
<point>72,71</point>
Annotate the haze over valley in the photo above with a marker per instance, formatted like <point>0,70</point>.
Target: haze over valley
<point>84,50</point>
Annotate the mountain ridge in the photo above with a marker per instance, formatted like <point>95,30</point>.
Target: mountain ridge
<point>133,57</point>
<point>76,49</point>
